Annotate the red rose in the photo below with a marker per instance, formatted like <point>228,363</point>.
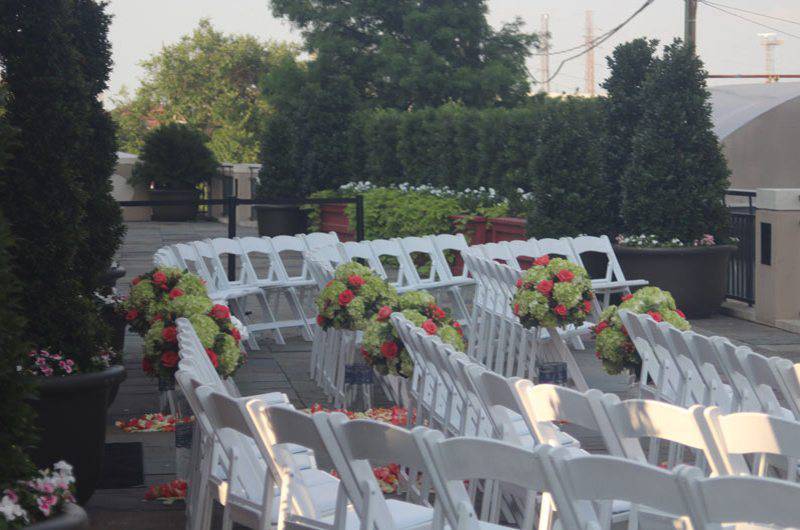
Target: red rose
<point>560,309</point>
<point>542,261</point>
<point>438,312</point>
<point>545,287</point>
<point>220,312</point>
<point>655,315</point>
<point>157,317</point>
<point>136,281</point>
<point>175,293</point>
<point>355,280</point>
<point>212,357</point>
<point>321,320</point>
<point>626,297</point>
<point>519,283</point>
<point>384,313</point>
<point>159,277</point>
<point>365,354</point>
<point>430,327</point>
<point>235,334</point>
<point>169,334</point>
<point>131,315</point>
<point>147,366</point>
<point>600,327</point>
<point>330,282</point>
<point>680,313</point>
<point>516,309</point>
<point>565,275</point>
<point>389,349</point>
<point>345,297</point>
<point>587,306</point>
<point>457,327</point>
<point>169,359</point>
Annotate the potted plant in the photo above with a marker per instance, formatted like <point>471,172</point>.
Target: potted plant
<point>173,162</point>
<point>44,501</point>
<point>673,210</point>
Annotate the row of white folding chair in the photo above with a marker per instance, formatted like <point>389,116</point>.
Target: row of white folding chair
<point>577,482</point>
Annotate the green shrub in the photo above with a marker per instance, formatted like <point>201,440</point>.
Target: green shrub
<point>675,184</point>
<point>174,157</point>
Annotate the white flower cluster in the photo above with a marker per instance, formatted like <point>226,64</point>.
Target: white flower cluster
<point>49,489</point>
<point>481,194</point>
<point>652,241</point>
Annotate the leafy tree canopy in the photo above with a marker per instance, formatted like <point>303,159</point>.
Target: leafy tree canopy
<point>210,81</point>
<point>406,53</point>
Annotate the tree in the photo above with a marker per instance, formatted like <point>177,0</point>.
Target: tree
<point>96,157</point>
<point>404,54</point>
<point>41,185</point>
<point>675,184</point>
<point>212,82</point>
<point>628,65</point>
<point>174,157</point>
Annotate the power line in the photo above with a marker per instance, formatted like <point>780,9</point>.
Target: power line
<point>777,30</point>
<point>780,19</point>
<point>602,38</point>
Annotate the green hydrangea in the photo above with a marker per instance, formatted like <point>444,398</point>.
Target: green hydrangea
<point>353,297</point>
<point>186,305</point>
<point>192,285</point>
<point>418,300</point>
<point>614,348</point>
<point>206,329</point>
<point>554,292</point>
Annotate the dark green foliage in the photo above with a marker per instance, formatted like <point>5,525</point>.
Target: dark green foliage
<point>55,60</point>
<point>15,415</point>
<point>570,191</point>
<point>174,157</point>
<point>97,156</point>
<point>628,65</point>
<point>403,54</point>
<point>675,184</point>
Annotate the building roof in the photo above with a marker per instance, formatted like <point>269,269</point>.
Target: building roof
<point>733,106</point>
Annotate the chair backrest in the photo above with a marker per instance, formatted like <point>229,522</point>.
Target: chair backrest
<point>591,478</point>
<point>598,245</point>
<point>637,419</point>
<point>362,251</point>
<point>500,401</point>
<point>456,460</point>
<point>557,248</point>
<point>224,246</point>
<point>740,499</point>
<point>320,271</point>
<point>736,375</point>
<point>654,367</point>
<point>424,261</point>
<point>769,389</point>
<point>788,375</point>
<point>523,251</point>
<point>449,246</point>
<point>331,254</point>
<point>753,433</point>
<point>386,248</point>
<point>287,249</point>
<point>165,257</point>
<point>316,240</point>
<point>497,252</point>
<point>191,260</point>
<point>259,258</point>
<point>544,404</point>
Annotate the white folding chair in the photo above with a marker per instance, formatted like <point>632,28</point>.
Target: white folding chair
<point>356,446</point>
<point>745,394</point>
<point>288,253</point>
<point>361,251</point>
<point>560,248</point>
<point>316,240</point>
<point>768,387</point>
<point>522,250</point>
<point>657,379</point>
<point>613,281</point>
<point>787,374</point>
<point>707,362</point>
<point>688,389</point>
<point>496,252</point>
<point>165,257</point>
<point>388,252</point>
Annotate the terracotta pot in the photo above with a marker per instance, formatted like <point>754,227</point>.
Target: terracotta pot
<point>506,229</point>
<point>695,276</point>
<point>334,219</point>
<point>281,219</point>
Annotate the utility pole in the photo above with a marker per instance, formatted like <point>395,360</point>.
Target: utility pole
<point>589,74</point>
<point>690,23</point>
<point>544,58</point>
<point>769,41</point>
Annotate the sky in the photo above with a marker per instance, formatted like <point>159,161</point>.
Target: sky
<point>727,44</point>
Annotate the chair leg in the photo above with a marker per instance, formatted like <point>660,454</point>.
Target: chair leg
<point>270,316</point>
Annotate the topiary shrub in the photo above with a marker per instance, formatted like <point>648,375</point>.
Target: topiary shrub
<point>674,186</point>
<point>174,157</point>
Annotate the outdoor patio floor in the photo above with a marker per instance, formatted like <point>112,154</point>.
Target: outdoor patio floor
<point>285,369</point>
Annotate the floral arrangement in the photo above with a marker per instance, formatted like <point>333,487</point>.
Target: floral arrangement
<point>652,241</point>
<point>614,347</point>
<point>553,292</point>
<point>383,349</point>
<point>213,324</point>
<point>354,295</point>
<point>30,501</point>
<point>42,363</point>
<point>153,291</point>
<point>153,422</point>
<point>167,493</point>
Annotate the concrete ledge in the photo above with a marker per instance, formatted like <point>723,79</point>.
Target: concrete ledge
<point>786,199</point>
<point>737,309</point>
<point>792,326</point>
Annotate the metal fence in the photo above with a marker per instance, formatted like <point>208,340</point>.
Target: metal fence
<point>741,267</point>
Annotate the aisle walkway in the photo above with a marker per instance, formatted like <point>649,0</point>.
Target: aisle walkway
<point>283,369</point>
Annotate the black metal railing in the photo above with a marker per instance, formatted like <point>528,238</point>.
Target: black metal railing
<point>741,267</point>
<point>231,202</point>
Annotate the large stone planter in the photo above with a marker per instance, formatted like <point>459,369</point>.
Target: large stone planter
<point>696,276</point>
<point>73,518</point>
<point>180,212</point>
<point>506,229</point>
<point>281,219</point>
<point>71,416</point>
<point>334,219</point>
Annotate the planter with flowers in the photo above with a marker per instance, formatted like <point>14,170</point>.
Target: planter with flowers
<point>555,293</point>
<point>44,502</point>
<point>613,346</point>
<point>382,348</point>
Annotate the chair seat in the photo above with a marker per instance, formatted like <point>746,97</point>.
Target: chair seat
<point>405,515</point>
<point>617,285</point>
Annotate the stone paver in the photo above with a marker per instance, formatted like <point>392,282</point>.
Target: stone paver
<point>285,369</point>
